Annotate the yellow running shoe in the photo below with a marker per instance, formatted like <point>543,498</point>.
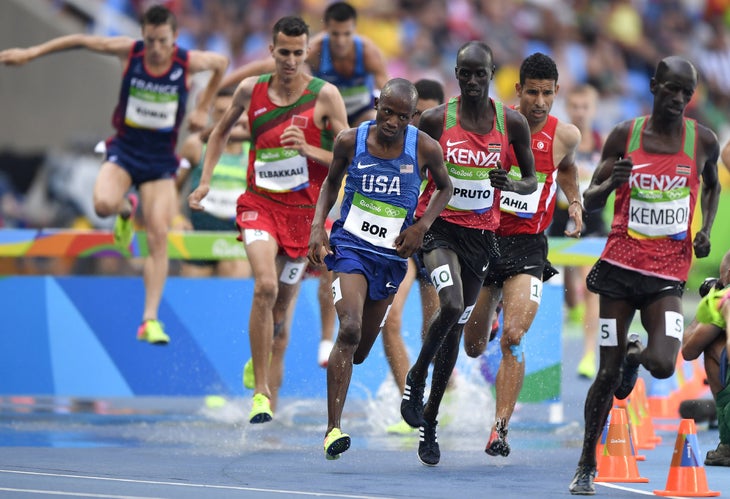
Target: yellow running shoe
<point>151,331</point>
<point>249,380</point>
<point>260,410</point>
<point>124,224</point>
<point>335,443</point>
<point>401,428</point>
<point>587,366</point>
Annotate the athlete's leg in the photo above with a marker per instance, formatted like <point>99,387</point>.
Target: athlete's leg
<point>615,318</point>
<point>448,353</point>
<point>326,313</point>
<point>158,205</point>
<point>478,328</point>
<point>234,268</point>
<point>349,303</point>
<point>290,273</point>
<point>444,266</point>
<point>521,295</point>
<point>111,185</point>
<point>261,249</point>
<point>664,323</point>
<point>393,345</point>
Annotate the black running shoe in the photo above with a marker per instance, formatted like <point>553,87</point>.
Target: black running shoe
<point>428,445</point>
<point>582,484</point>
<point>497,445</point>
<point>630,371</point>
<point>719,456</point>
<point>411,406</point>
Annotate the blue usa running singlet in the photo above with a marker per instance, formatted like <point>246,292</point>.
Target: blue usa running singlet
<point>380,196</point>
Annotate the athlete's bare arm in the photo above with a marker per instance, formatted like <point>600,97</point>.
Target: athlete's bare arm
<point>219,137</point>
<point>116,45</point>
<point>253,68</point>
<point>374,62</point>
<point>329,113</point>
<point>613,170</point>
<point>342,153</point>
<point>518,132</point>
<point>199,60</point>
<point>710,193</point>
<point>192,152</point>
<point>431,158</point>
<point>564,150</point>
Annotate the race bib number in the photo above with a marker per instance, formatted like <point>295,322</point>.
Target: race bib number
<point>151,110</point>
<point>674,324</point>
<point>467,313</point>
<point>522,205</point>
<point>292,272</point>
<point>374,221</point>
<point>221,203</point>
<point>659,214</point>
<point>441,277</point>
<point>607,331</point>
<point>336,291</point>
<point>281,170</point>
<point>251,235</point>
<point>385,317</point>
<point>535,289</point>
<point>473,190</point>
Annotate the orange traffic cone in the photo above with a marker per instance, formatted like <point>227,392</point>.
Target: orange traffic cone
<point>663,403</point>
<point>624,404</point>
<point>686,475</point>
<point>617,461</point>
<point>645,434</point>
<point>691,386</point>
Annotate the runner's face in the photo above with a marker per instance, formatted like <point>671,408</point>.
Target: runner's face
<point>474,70</point>
<point>289,53</point>
<point>673,92</point>
<point>423,104</point>
<point>341,37</point>
<point>393,114</point>
<point>581,109</point>
<point>536,99</point>
<point>159,43</point>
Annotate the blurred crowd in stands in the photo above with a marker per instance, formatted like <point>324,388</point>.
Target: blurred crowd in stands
<point>612,44</point>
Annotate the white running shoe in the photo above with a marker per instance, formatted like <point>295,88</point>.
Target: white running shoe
<point>323,357</point>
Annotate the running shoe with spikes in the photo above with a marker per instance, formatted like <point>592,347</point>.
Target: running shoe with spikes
<point>411,405</point>
<point>498,445</point>
<point>582,484</point>
<point>151,331</point>
<point>428,446</point>
<point>124,224</point>
<point>335,443</point>
<point>260,410</point>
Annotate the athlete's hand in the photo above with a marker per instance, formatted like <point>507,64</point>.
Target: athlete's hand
<point>499,178</point>
<point>197,120</point>
<point>319,245</point>
<point>16,57</point>
<point>701,244</point>
<point>196,197</point>
<point>621,171</point>
<point>409,241</point>
<point>575,213</point>
<point>293,138</point>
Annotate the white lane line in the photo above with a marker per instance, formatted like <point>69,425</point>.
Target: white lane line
<point>74,494</point>
<point>629,489</point>
<point>196,485</point>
